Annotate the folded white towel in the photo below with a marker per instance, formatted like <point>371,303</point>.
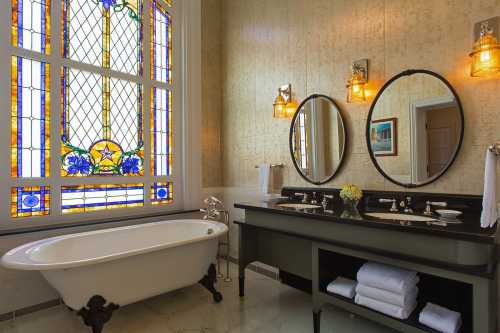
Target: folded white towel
<point>265,180</point>
<point>387,277</point>
<point>441,319</point>
<point>385,296</point>
<point>386,308</point>
<point>489,215</point>
<point>343,287</point>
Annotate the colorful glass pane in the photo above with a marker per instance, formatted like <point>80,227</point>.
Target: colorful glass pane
<point>161,193</point>
<point>31,25</point>
<point>30,142</point>
<point>86,198</point>
<point>103,34</point>
<point>126,41</point>
<point>102,133</point>
<point>30,201</point>
<point>161,132</point>
<point>161,43</point>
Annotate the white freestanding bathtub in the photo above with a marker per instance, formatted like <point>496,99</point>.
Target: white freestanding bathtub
<point>123,265</point>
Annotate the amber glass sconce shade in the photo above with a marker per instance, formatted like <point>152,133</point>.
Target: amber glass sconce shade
<point>356,85</point>
<point>486,53</point>
<point>284,106</point>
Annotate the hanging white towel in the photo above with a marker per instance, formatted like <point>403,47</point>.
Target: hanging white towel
<point>440,319</point>
<point>386,308</point>
<point>394,279</point>
<point>265,178</point>
<point>343,287</point>
<point>489,216</point>
<point>382,295</point>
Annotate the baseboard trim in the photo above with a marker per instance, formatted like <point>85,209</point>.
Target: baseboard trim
<point>29,309</point>
<point>257,269</point>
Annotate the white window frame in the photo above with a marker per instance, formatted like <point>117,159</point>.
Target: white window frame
<point>186,73</point>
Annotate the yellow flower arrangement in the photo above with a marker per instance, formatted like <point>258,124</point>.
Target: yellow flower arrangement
<point>351,192</point>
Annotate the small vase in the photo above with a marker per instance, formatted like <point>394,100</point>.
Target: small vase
<point>351,209</point>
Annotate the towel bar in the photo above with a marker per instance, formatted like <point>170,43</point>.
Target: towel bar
<point>279,165</point>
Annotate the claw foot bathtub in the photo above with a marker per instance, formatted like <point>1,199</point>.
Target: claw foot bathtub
<point>124,265</point>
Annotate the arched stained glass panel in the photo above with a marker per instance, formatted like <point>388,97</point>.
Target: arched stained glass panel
<point>104,37</point>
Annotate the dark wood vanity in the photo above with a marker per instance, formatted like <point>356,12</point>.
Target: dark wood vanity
<point>311,247</point>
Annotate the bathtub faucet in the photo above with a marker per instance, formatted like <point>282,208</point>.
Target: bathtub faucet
<point>215,208</point>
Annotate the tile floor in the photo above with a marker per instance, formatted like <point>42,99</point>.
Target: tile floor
<point>269,307</point>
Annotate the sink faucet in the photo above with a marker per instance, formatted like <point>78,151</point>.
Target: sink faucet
<point>394,207</point>
<point>428,204</point>
<point>305,197</point>
<point>406,204</point>
<point>324,203</point>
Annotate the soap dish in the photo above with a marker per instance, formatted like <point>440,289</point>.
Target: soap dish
<point>448,213</point>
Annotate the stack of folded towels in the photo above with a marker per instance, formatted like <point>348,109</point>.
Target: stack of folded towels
<point>387,289</point>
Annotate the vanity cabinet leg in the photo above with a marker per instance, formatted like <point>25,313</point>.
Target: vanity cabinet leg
<point>242,285</point>
<point>317,321</point>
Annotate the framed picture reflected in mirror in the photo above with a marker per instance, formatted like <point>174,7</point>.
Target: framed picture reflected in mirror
<point>384,137</point>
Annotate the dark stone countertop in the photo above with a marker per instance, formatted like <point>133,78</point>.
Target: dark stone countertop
<point>469,230</point>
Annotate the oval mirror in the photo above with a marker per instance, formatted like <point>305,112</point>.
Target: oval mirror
<point>415,128</point>
<point>317,139</point>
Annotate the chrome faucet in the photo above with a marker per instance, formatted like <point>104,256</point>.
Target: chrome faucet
<point>215,208</point>
<point>406,204</point>
<point>305,196</point>
<point>394,207</point>
<point>429,204</point>
<point>324,203</point>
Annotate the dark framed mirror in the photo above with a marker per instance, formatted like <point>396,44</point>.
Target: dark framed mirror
<point>415,128</point>
<point>318,139</point>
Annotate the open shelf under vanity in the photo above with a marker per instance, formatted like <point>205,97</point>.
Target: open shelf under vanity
<point>452,294</point>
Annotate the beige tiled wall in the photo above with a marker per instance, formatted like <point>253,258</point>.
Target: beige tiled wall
<point>211,93</point>
<point>311,45</point>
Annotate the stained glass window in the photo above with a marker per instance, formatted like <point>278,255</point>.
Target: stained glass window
<point>161,132</point>
<point>30,118</point>
<point>96,34</point>
<point>161,193</point>
<point>86,198</point>
<point>31,25</point>
<point>30,201</point>
<point>161,39</point>
<point>102,134</point>
<point>101,115</point>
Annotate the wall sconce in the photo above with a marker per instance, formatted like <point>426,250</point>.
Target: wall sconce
<point>486,53</point>
<point>356,85</point>
<point>284,106</point>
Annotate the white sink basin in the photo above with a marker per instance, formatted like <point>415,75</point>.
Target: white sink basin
<point>298,206</point>
<point>401,217</point>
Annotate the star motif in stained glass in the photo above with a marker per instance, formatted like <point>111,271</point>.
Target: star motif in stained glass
<point>106,153</point>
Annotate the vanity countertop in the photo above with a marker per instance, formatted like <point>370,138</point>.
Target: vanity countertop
<point>470,230</point>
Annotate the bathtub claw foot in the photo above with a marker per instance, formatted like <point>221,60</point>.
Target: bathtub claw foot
<point>97,313</point>
<point>208,281</point>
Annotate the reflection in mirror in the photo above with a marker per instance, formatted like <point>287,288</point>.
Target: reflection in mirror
<point>317,139</point>
<point>415,128</point>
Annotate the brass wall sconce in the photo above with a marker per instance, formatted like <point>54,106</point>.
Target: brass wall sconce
<point>486,53</point>
<point>356,85</point>
<point>284,106</point>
